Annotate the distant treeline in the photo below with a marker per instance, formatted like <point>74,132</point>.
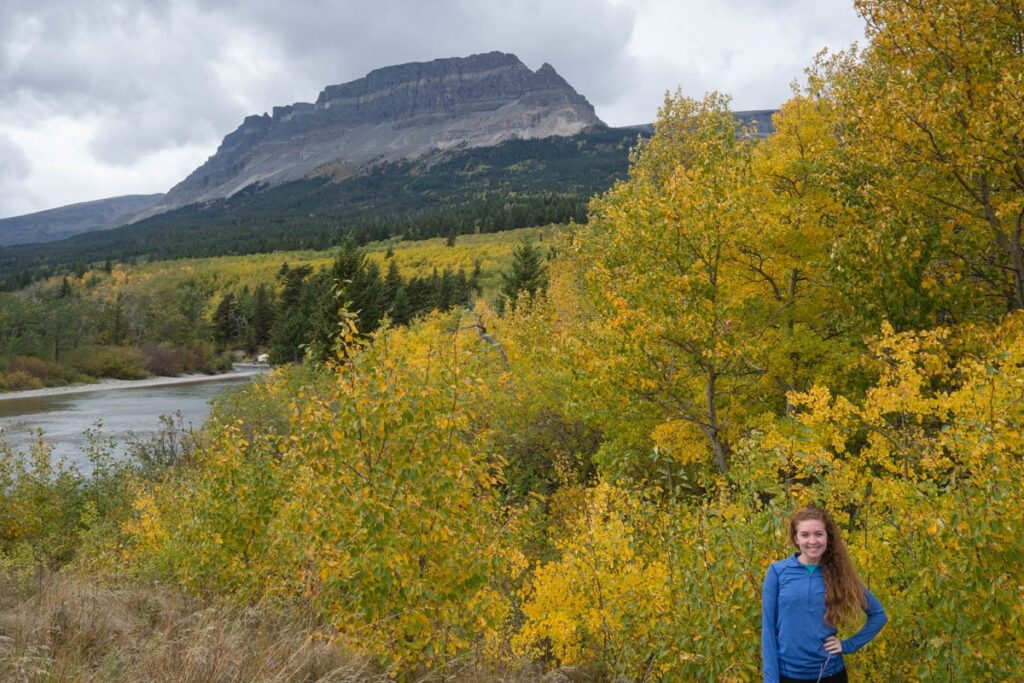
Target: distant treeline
<point>516,184</point>
<point>109,325</point>
<point>306,315</point>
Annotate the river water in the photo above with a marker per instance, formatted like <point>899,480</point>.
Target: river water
<point>121,412</point>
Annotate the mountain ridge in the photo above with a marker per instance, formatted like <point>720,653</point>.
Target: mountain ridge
<point>369,131</point>
<point>72,219</point>
<point>393,113</point>
<point>758,120</point>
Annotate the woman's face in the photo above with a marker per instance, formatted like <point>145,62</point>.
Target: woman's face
<point>812,540</point>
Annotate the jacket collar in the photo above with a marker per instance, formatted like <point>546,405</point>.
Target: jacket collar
<point>791,561</point>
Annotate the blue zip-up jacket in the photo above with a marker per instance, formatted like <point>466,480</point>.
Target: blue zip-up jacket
<point>793,629</point>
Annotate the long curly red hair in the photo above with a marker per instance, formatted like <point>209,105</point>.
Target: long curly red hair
<point>844,591</point>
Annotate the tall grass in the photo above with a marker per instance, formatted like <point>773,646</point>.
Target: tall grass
<point>59,627</point>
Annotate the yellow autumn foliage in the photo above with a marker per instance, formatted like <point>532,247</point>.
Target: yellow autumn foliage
<point>922,474</point>
<point>377,505</point>
<point>600,478</point>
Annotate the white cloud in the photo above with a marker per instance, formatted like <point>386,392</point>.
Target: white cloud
<point>62,158</point>
<point>749,49</point>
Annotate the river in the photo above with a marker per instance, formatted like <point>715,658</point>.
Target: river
<point>121,411</point>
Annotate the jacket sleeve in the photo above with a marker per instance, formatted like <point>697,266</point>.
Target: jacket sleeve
<point>769,618</point>
<point>876,620</point>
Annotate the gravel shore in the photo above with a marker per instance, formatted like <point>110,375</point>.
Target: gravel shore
<point>240,371</point>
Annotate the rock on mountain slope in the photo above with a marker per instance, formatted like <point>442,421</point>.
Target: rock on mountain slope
<point>66,221</point>
<point>398,112</point>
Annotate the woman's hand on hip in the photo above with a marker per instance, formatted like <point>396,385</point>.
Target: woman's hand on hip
<point>833,646</point>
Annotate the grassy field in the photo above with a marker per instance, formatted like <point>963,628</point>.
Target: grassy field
<point>232,273</point>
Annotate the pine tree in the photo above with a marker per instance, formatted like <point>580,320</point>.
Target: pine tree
<point>262,315</point>
<point>476,277</point>
<point>463,288</point>
<point>290,329</point>
<point>445,290</point>
<point>225,320</point>
<point>528,275</point>
<point>401,310</point>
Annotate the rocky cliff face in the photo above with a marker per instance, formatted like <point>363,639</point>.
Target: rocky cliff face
<point>398,112</point>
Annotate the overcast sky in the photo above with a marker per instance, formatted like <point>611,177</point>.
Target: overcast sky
<point>100,98</point>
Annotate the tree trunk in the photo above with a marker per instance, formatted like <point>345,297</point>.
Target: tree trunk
<point>1017,257</point>
<point>712,429</point>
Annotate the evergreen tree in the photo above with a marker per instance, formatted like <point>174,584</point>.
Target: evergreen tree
<point>401,311</point>
<point>462,288</point>
<point>392,283</point>
<point>476,277</point>
<point>262,315</point>
<point>290,329</point>
<point>420,295</point>
<point>527,275</point>
<point>326,295</point>
<point>226,320</point>
<point>368,296</point>
<point>246,305</point>
<point>445,291</point>
<point>359,286</point>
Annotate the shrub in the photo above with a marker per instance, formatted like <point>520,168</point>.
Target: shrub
<point>117,362</point>
<point>222,362</point>
<point>257,406</point>
<point>45,371</point>
<point>163,359</point>
<point>390,529</point>
<point>20,380</point>
<point>168,360</point>
<point>647,589</point>
<point>46,505</point>
<point>923,475</point>
<point>173,444</point>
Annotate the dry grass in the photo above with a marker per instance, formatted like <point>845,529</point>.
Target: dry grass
<point>65,628</point>
<point>59,628</point>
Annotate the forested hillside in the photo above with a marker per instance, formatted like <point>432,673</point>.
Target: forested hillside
<point>169,317</point>
<point>517,184</point>
<point>595,480</point>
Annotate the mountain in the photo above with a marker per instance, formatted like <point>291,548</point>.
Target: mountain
<point>518,183</point>
<point>441,148</point>
<point>65,221</point>
<point>395,113</point>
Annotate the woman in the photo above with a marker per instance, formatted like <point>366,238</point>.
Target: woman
<point>805,597</point>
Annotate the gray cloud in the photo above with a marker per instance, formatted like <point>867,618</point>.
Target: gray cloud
<point>164,74</point>
<point>14,168</point>
<point>152,87</point>
<point>152,76</point>
<point>14,165</point>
